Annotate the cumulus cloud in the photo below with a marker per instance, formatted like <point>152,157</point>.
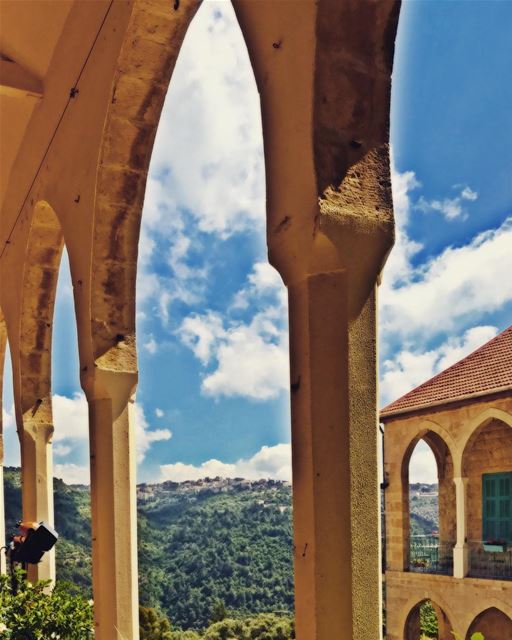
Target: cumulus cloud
<point>450,208</point>
<point>269,462</point>
<point>159,413</point>
<point>207,169</point>
<point>408,368</point>
<point>244,358</point>
<point>213,121</point>
<point>151,345</point>
<point>72,422</point>
<point>72,473</point>
<point>461,284</point>
<point>422,466</point>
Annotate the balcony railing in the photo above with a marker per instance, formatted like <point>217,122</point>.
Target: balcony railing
<point>495,565</point>
<point>427,554</point>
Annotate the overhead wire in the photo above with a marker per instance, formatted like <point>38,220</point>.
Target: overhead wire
<point>72,94</point>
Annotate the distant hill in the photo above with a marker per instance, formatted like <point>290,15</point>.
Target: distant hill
<point>200,543</point>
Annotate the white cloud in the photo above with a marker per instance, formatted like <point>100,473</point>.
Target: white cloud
<point>269,462</point>
<point>61,450</point>
<point>468,194</point>
<point>146,437</point>
<point>72,473</point>
<point>8,420</point>
<point>249,358</point>
<point>151,346</point>
<point>72,420</point>
<point>461,284</point>
<point>450,208</point>
<point>212,117</point>
<point>159,413</point>
<point>423,466</point>
<point>71,417</point>
<point>409,368</point>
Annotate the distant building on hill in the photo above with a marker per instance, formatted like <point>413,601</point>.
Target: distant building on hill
<point>465,415</point>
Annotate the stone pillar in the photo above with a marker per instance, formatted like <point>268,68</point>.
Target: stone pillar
<point>113,506</point>
<point>37,485</point>
<point>396,498</point>
<point>334,447</point>
<point>461,549</point>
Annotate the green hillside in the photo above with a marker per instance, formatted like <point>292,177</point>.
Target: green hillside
<point>203,546</point>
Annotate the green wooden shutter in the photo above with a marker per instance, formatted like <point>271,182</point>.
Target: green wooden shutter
<point>497,506</point>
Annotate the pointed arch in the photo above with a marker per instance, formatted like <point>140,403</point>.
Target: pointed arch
<point>441,547</point>
<point>479,420</point>
<point>494,622</point>
<point>42,261</point>
<point>410,621</point>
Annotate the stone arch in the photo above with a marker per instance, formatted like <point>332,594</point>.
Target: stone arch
<point>43,254</point>
<point>494,622</point>
<point>151,46</point>
<point>487,450</point>
<point>411,619</point>
<point>478,422</point>
<point>441,445</point>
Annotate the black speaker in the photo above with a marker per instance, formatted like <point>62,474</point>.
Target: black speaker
<point>37,542</point>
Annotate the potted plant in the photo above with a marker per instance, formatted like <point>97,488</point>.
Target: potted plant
<point>495,546</point>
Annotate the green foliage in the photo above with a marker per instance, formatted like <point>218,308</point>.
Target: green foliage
<point>218,612</point>
<point>266,626</point>
<point>34,614</point>
<point>153,626</point>
<point>199,544</point>
<point>474,636</point>
<point>428,620</point>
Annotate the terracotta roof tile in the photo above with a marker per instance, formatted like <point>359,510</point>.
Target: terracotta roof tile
<point>485,371</point>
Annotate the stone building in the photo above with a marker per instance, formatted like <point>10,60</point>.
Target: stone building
<point>82,84</point>
<point>465,415</point>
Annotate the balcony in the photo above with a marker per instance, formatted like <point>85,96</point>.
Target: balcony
<point>494,565</point>
<point>427,554</point>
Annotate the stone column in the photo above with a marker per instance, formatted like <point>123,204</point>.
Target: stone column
<point>396,498</point>
<point>461,549</point>
<point>334,445</point>
<point>113,506</point>
<point>37,485</point>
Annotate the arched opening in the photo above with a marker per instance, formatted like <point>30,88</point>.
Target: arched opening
<point>427,620</point>
<point>211,307</point>
<point>429,505</point>
<point>7,428</point>
<point>487,465</point>
<point>493,624</point>
<point>70,442</point>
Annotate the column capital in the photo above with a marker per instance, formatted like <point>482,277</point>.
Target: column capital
<point>460,480</point>
<point>103,384</point>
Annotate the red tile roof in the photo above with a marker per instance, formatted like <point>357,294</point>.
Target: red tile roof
<point>485,371</point>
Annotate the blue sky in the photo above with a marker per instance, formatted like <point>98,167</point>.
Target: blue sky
<point>212,338</point>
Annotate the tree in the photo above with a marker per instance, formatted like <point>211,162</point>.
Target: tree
<point>33,613</point>
<point>218,611</point>
<point>153,626</point>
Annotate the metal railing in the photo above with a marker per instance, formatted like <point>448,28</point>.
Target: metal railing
<point>427,554</point>
<point>494,565</point>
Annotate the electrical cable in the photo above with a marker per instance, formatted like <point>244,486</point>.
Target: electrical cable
<point>73,92</point>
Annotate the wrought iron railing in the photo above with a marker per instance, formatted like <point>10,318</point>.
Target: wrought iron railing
<point>495,565</point>
<point>427,554</point>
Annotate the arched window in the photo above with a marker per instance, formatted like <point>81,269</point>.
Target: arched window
<point>430,498</point>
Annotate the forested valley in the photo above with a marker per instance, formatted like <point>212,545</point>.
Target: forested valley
<point>212,553</point>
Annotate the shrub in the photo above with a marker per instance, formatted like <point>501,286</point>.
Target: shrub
<point>35,613</point>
